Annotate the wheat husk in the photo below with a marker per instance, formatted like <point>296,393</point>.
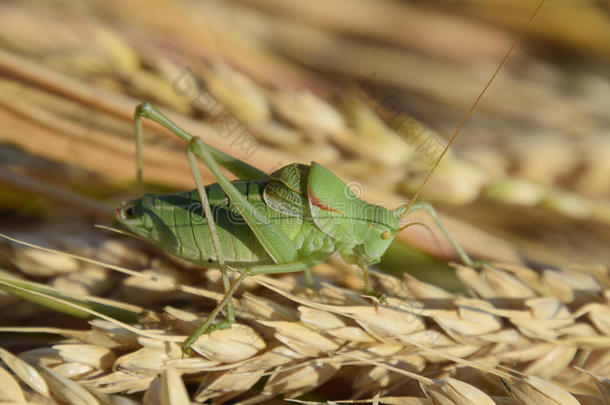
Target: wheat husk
<point>529,338</point>
<point>10,391</point>
<point>26,373</point>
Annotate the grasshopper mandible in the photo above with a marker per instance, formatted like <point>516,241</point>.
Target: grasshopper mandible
<point>286,221</point>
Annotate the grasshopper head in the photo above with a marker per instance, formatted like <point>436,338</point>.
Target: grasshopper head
<point>134,215</point>
<point>377,242</point>
<point>384,228</point>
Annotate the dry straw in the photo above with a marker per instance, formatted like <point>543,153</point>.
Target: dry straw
<point>518,337</point>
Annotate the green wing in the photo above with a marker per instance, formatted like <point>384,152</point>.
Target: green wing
<point>286,191</point>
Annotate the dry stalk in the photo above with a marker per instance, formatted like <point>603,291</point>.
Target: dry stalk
<point>239,65</point>
<point>519,337</point>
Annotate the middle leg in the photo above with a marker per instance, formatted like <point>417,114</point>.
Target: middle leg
<point>368,289</point>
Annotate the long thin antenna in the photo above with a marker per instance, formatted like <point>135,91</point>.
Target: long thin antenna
<point>474,106</point>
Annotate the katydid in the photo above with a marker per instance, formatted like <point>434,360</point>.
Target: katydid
<point>286,221</point>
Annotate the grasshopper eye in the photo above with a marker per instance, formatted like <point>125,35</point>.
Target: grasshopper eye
<point>126,211</point>
<point>385,235</point>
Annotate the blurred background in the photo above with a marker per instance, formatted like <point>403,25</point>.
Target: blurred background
<point>370,89</point>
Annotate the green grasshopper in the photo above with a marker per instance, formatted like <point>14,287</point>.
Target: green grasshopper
<point>286,221</point>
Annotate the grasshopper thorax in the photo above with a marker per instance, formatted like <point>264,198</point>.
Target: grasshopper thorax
<point>362,231</point>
